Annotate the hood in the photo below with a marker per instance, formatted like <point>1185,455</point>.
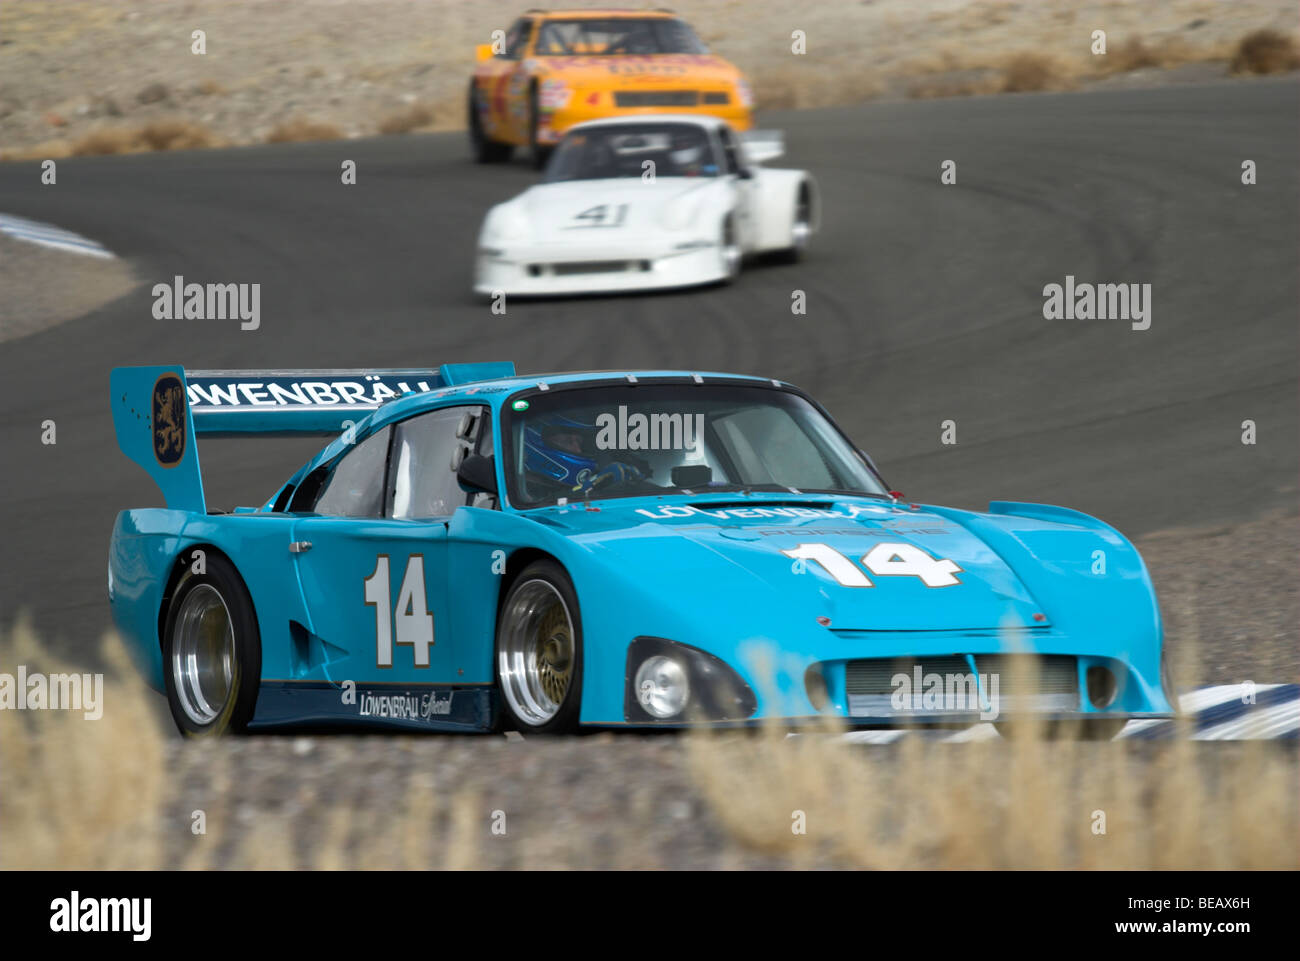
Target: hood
<point>664,71</point>
<point>632,206</point>
<point>864,564</point>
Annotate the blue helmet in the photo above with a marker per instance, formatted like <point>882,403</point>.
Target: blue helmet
<point>559,464</point>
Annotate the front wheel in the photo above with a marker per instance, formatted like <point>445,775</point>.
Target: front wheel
<point>212,652</point>
<point>538,154</point>
<point>483,149</point>
<point>1081,729</point>
<point>539,651</point>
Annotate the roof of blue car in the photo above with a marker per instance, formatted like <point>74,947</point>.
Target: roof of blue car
<point>486,390</point>
<point>496,390</point>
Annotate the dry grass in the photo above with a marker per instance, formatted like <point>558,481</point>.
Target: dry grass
<point>210,88</point>
<point>949,73</point>
<point>1027,803</point>
<point>1032,72</point>
<point>301,130</point>
<point>798,85</point>
<point>80,793</point>
<point>108,793</point>
<point>1265,51</point>
<point>418,116</point>
<point>156,135</point>
<point>1025,72</point>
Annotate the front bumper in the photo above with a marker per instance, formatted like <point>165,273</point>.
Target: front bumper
<point>553,124</point>
<point>992,679</point>
<point>540,270</point>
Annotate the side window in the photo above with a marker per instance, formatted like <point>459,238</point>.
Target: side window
<point>426,453</point>
<point>356,485</point>
<point>484,447</point>
<point>517,39</point>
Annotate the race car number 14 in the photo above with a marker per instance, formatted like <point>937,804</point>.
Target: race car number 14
<point>412,615</point>
<point>883,560</point>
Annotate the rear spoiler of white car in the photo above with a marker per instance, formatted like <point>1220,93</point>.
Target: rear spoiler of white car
<point>763,145</point>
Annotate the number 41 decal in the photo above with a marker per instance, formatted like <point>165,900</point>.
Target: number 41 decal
<point>599,216</point>
<point>883,560</point>
<point>414,620</point>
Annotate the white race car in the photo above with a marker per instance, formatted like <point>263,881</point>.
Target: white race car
<point>646,202</point>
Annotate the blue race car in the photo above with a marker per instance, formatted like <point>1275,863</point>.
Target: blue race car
<point>476,549</point>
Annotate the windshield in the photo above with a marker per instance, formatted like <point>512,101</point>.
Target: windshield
<point>595,37</point>
<point>641,439</point>
<point>633,150</point>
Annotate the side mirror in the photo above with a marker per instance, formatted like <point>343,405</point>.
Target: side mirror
<point>483,52</point>
<point>478,474</point>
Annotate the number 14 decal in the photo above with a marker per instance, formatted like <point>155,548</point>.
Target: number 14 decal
<point>883,560</point>
<point>414,620</point>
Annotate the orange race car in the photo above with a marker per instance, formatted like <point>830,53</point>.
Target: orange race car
<point>553,69</point>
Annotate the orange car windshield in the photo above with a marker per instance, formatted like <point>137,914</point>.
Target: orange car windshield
<point>616,36</point>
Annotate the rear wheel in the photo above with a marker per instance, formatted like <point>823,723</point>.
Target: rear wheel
<point>729,250</point>
<point>482,148</point>
<point>539,651</point>
<point>212,652</point>
<point>800,225</point>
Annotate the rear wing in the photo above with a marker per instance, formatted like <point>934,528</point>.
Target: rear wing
<point>762,145</point>
<point>159,411</point>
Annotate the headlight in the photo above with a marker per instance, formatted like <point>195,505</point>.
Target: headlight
<point>672,682</point>
<point>662,687</point>
<point>505,224</point>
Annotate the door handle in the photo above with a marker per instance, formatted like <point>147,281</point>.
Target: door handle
<point>299,547</point>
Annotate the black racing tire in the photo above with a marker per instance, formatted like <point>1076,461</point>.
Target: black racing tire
<point>538,154</point>
<point>1081,729</point>
<point>801,225</point>
<point>729,250</point>
<point>483,149</point>
<point>538,662</point>
<point>212,651</point>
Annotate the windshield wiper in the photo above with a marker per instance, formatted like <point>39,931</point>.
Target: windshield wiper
<point>781,489</point>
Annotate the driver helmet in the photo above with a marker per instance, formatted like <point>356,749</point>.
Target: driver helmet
<point>686,148</point>
<point>561,449</point>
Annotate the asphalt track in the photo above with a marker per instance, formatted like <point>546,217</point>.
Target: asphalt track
<point>924,305</point>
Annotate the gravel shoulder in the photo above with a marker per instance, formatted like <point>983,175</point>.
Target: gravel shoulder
<point>43,287</point>
<point>1230,600</point>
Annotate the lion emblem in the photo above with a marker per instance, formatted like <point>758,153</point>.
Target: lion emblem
<point>168,420</point>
